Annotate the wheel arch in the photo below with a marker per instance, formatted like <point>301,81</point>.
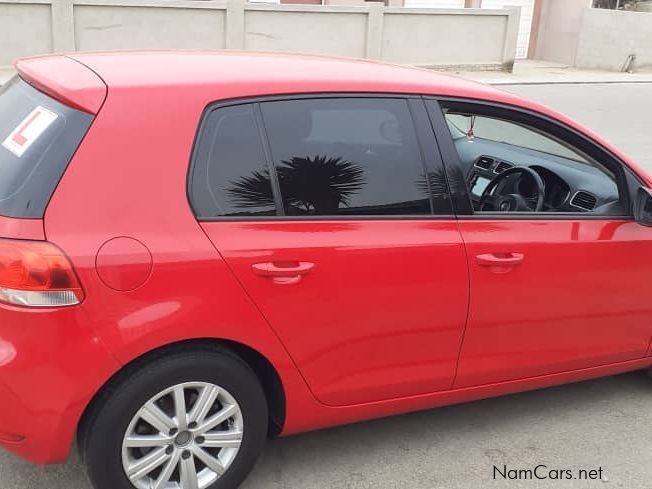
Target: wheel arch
<point>267,374</point>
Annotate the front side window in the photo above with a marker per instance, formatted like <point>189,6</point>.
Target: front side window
<point>347,156</point>
<point>514,166</point>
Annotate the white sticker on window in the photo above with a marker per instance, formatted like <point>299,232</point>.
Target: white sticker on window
<point>29,130</point>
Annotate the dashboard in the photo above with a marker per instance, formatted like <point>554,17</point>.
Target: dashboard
<point>569,185</point>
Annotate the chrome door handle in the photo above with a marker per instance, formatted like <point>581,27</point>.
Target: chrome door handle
<point>500,262</point>
<point>283,272</point>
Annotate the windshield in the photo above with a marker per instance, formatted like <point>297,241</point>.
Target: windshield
<point>509,133</point>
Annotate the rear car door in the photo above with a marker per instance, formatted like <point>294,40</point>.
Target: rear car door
<point>560,288</point>
<point>334,215</point>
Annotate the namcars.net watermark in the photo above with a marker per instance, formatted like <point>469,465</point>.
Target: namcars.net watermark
<point>544,472</point>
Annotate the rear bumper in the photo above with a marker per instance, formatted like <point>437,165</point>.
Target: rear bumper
<point>51,365</point>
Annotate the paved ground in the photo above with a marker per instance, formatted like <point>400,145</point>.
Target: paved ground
<point>622,113</point>
<point>604,423</point>
<point>537,71</point>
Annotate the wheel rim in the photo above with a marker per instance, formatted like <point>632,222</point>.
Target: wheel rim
<point>185,437</point>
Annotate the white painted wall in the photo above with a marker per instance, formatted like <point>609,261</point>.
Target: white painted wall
<point>525,25</point>
<point>608,37</point>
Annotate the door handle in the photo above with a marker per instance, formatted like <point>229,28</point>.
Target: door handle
<point>283,272</point>
<point>500,262</point>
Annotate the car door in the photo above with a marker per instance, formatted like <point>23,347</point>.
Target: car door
<point>562,288</point>
<point>334,215</point>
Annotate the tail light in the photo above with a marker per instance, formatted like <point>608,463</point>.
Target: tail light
<point>37,274</point>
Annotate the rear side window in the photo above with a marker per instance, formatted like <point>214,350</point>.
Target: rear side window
<point>313,157</point>
<point>231,177</point>
<point>346,156</point>
<point>38,137</point>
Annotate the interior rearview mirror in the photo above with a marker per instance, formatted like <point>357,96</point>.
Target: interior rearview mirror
<point>643,206</point>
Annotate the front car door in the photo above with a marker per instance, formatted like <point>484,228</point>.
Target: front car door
<point>560,272</point>
<point>334,215</point>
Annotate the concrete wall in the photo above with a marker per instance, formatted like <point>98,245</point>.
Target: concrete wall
<point>336,31</point>
<point>558,30</point>
<point>525,27</point>
<point>608,37</point>
<point>435,3</point>
<point>572,33</point>
<point>457,38</point>
<point>447,38</point>
<point>111,27</point>
<point>26,29</point>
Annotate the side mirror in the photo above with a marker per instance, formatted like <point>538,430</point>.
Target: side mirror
<point>643,206</point>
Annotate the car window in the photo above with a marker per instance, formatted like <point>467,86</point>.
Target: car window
<point>514,167</point>
<point>347,156</point>
<point>38,136</point>
<point>230,176</point>
<point>502,131</point>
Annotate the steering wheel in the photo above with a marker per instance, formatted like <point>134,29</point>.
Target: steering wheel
<point>513,202</point>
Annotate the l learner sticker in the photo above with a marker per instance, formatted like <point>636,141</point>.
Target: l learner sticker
<point>29,130</point>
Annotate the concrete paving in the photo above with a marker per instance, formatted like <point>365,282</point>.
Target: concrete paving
<point>601,424</point>
<point>528,71</point>
<point>619,112</point>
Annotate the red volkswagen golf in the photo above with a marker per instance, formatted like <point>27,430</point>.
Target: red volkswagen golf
<point>201,250</point>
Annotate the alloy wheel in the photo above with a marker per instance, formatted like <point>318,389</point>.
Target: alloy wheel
<point>185,437</point>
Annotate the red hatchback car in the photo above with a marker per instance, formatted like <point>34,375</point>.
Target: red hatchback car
<point>200,250</point>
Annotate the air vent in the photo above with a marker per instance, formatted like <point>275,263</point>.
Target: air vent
<point>584,200</point>
<point>484,162</point>
<point>501,167</point>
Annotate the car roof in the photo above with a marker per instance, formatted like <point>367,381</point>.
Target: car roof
<point>250,73</point>
<point>269,70</point>
<point>228,74</point>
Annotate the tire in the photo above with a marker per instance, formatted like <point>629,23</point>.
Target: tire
<point>128,406</point>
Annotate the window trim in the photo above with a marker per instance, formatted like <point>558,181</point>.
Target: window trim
<point>269,161</point>
<point>413,102</point>
<point>451,161</point>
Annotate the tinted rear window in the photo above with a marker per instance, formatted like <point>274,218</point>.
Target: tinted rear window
<point>38,136</point>
<point>231,178</point>
<point>347,156</point>
<point>315,157</point>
